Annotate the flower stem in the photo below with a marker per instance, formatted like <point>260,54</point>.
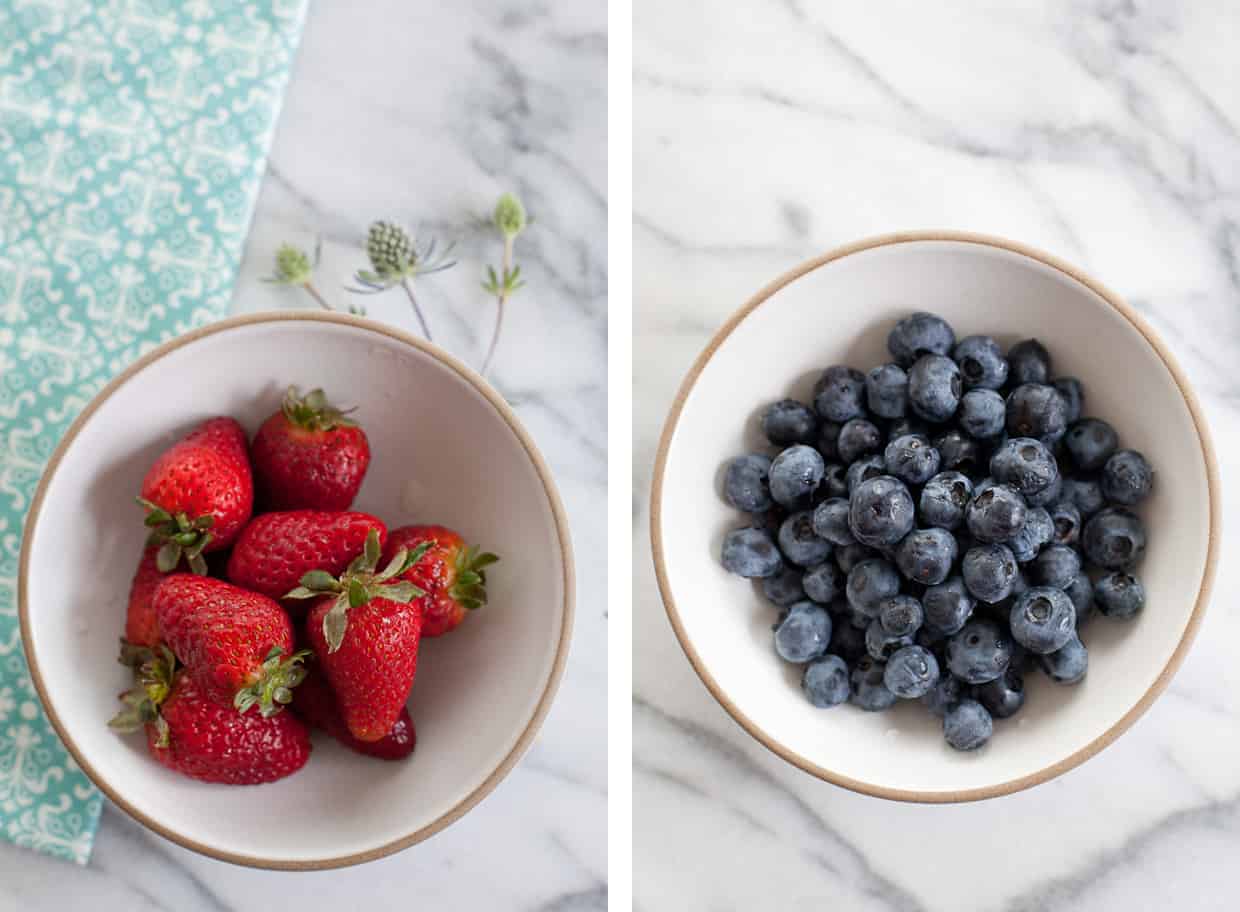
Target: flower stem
<point>426,330</point>
<point>500,300</point>
<point>314,293</point>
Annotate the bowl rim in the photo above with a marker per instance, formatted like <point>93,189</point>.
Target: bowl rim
<point>550,687</point>
<point>1203,594</point>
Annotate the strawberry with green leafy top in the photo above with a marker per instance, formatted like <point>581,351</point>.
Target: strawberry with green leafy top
<point>452,574</point>
<point>236,645</point>
<point>365,628</point>
<point>315,703</point>
<point>198,494</point>
<point>278,549</point>
<point>195,736</point>
<point>309,455</point>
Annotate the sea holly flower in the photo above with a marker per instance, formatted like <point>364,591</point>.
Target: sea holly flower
<point>397,259</point>
<point>509,218</point>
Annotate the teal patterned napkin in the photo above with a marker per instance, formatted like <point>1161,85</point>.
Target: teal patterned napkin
<point>133,135</point>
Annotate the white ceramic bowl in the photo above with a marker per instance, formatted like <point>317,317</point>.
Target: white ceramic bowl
<point>445,448</point>
<point>839,309</point>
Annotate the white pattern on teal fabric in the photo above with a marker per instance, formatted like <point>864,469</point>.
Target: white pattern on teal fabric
<point>133,135</point>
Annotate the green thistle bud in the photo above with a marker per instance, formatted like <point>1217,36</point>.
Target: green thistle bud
<point>292,266</point>
<point>390,249</point>
<point>509,216</point>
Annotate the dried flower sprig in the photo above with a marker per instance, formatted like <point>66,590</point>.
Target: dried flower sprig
<point>295,268</point>
<point>396,259</point>
<point>510,219</point>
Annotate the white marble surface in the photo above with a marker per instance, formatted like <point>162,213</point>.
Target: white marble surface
<point>425,113</point>
<point>1106,132</point>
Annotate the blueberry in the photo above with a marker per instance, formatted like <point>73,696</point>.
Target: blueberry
<point>803,632</point>
<point>1067,522</point>
<point>825,681</point>
<point>886,391</point>
<point>900,615</point>
<point>989,572</point>
<point>847,557</point>
<point>1068,664</point>
<point>863,470</point>
<point>1057,566</point>
<point>823,582</point>
<point>1019,585</point>
<point>1114,538</point>
<point>868,690</point>
<point>934,387</point>
<point>784,588</point>
<point>1073,396</point>
<point>1034,410</point>
<point>858,438</point>
<point>831,521</point>
<point>979,652</point>
<point>750,552</point>
<point>958,451</point>
<point>828,440</point>
<point>859,621</point>
<point>1119,595</point>
<point>926,556</point>
<point>870,583</point>
<point>795,475</point>
<point>983,413</point>
<point>967,726</point>
<point>848,641</point>
<point>746,485</point>
<point>911,672</point>
<point>1051,494</point>
<point>1036,532</point>
<point>1043,619</point>
<point>920,334</point>
<point>947,606</point>
<point>911,459</point>
<point>839,394</point>
<point>1025,464</point>
<point>1127,478</point>
<point>1004,696</point>
<point>944,498</point>
<point>945,694</point>
<point>1081,592</point>
<point>880,511</point>
<point>1028,362</point>
<point>1085,494</point>
<point>834,481</point>
<point>1090,443</point>
<point>880,644</point>
<point>981,361</point>
<point>909,424</point>
<point>933,640</point>
<point>787,422</point>
<point>995,515</point>
<point>800,544</point>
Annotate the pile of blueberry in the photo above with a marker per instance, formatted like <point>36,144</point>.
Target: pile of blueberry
<point>939,527</point>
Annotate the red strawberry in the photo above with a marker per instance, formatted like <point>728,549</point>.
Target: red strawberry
<point>236,645</point>
<point>141,627</point>
<point>316,704</point>
<point>309,455</point>
<point>452,574</point>
<point>277,549</point>
<point>198,494</point>
<point>365,632</point>
<point>196,736</point>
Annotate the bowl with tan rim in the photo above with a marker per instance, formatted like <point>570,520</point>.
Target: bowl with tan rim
<point>838,309</point>
<point>445,448</point>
